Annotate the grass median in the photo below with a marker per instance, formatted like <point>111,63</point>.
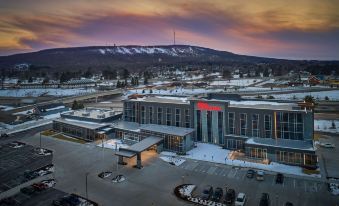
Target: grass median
<point>54,134</point>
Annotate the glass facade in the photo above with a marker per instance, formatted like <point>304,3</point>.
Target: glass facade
<point>257,153</point>
<point>159,115</point>
<point>177,117</point>
<point>150,115</point>
<point>143,115</point>
<point>231,121</point>
<point>220,127</point>
<point>268,126</point>
<point>168,116</point>
<point>187,118</point>
<point>255,125</point>
<point>199,128</point>
<point>209,127</point>
<point>290,125</point>
<point>243,124</point>
<point>289,157</point>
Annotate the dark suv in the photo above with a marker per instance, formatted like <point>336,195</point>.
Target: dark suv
<point>230,196</point>
<point>279,178</point>
<point>265,200</point>
<point>218,193</point>
<point>207,192</point>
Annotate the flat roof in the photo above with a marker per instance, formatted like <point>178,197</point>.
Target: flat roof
<point>263,105</point>
<point>179,131</point>
<point>125,125</point>
<point>125,153</point>
<point>79,123</point>
<point>282,143</point>
<point>92,113</point>
<point>163,99</point>
<point>143,144</point>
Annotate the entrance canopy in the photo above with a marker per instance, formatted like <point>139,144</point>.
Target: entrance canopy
<point>138,147</point>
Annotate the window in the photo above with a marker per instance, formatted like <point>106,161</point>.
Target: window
<point>290,125</point>
<point>187,118</point>
<point>150,115</point>
<point>243,124</point>
<point>255,125</point>
<point>168,116</point>
<point>209,126</point>
<point>199,127</point>
<point>268,126</point>
<point>231,129</point>
<point>177,117</point>
<point>159,115</point>
<point>143,115</point>
<point>220,127</point>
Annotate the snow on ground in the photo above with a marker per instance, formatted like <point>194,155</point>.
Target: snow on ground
<point>215,153</point>
<point>326,126</point>
<point>334,188</point>
<point>39,92</point>
<point>333,95</point>
<point>6,108</point>
<point>105,102</point>
<point>187,190</point>
<point>256,103</point>
<point>179,91</point>
<point>175,160</point>
<point>113,144</point>
<point>235,82</point>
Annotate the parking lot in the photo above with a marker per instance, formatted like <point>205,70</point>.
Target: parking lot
<point>15,161</point>
<point>330,156</point>
<point>154,184</point>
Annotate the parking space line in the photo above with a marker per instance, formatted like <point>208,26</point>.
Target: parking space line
<point>294,182</point>
<point>305,186</point>
<point>273,181</point>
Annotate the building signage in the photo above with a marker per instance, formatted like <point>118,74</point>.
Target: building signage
<point>206,106</point>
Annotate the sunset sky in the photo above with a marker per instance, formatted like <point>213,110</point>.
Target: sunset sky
<point>294,29</point>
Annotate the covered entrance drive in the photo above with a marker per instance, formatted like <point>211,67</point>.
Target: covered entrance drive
<point>136,149</point>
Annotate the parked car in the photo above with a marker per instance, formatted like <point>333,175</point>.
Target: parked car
<point>250,173</point>
<point>240,200</point>
<point>217,195</point>
<point>30,175</point>
<point>39,186</point>
<point>279,178</point>
<point>118,179</point>
<point>4,135</point>
<point>264,200</point>
<point>104,174</point>
<point>207,192</point>
<point>327,145</point>
<point>260,175</point>
<point>230,196</point>
<point>30,190</point>
<point>288,204</point>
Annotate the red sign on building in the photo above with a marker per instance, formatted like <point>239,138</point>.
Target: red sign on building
<point>206,106</point>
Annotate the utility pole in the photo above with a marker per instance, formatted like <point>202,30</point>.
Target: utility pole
<point>86,185</point>
<point>40,140</point>
<point>174,37</point>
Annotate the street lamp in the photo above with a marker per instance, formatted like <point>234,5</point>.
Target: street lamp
<point>87,173</point>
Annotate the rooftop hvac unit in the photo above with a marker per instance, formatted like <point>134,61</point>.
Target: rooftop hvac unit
<point>85,114</point>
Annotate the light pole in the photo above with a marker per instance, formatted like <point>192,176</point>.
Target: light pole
<point>87,173</point>
<point>40,140</point>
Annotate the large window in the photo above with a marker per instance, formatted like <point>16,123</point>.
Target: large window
<point>177,117</point>
<point>290,125</point>
<point>199,128</point>
<point>243,124</point>
<point>268,126</point>
<point>255,125</point>
<point>209,126</point>
<point>231,120</point>
<point>289,157</point>
<point>159,115</point>
<point>143,115</point>
<point>168,116</point>
<point>257,153</point>
<point>220,127</point>
<point>187,118</point>
<point>150,115</point>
